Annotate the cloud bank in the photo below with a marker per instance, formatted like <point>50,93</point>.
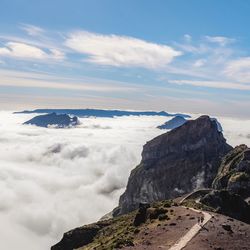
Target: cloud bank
<point>53,180</point>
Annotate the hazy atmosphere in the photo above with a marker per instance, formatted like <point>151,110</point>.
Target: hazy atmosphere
<point>175,55</point>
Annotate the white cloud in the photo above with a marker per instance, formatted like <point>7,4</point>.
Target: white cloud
<point>199,63</point>
<point>212,84</point>
<point>121,51</point>
<point>239,69</point>
<point>32,30</point>
<point>221,40</point>
<point>71,176</point>
<point>29,52</point>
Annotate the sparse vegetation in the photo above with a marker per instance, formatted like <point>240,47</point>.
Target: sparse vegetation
<point>239,177</point>
<point>193,204</point>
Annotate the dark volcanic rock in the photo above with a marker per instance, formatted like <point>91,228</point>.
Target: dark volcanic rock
<point>53,119</point>
<point>173,123</point>
<point>141,215</point>
<point>234,172</point>
<point>79,237</point>
<point>227,227</point>
<point>228,204</point>
<point>176,162</point>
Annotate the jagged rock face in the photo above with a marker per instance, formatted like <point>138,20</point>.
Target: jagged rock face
<point>228,204</point>
<point>234,172</point>
<point>176,162</point>
<point>79,237</point>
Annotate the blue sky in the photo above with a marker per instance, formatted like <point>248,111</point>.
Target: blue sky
<point>182,56</point>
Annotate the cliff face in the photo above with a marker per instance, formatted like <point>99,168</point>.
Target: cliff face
<point>175,163</point>
<point>234,172</point>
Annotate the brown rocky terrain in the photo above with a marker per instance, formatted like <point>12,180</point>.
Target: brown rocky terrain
<point>162,226</point>
<point>216,236</point>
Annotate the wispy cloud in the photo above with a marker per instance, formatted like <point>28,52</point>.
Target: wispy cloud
<point>29,52</point>
<point>239,69</point>
<point>35,80</point>
<point>120,51</point>
<point>212,84</point>
<point>221,40</point>
<point>32,30</point>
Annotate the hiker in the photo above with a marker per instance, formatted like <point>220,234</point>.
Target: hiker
<point>202,219</point>
<point>199,220</point>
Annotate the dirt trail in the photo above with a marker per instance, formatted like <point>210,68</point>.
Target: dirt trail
<point>183,241</point>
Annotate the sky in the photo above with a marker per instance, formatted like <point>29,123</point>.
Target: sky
<point>179,56</point>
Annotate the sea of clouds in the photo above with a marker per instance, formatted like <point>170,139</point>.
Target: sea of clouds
<point>52,180</point>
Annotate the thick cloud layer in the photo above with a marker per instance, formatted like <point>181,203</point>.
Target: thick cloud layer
<point>53,180</point>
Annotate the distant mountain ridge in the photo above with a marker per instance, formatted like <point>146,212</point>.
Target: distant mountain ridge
<point>55,120</point>
<point>100,112</point>
<point>175,122</point>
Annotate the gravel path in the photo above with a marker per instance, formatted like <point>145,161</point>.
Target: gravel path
<point>183,241</point>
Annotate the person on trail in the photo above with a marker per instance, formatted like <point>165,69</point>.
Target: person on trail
<point>202,219</point>
<point>199,220</point>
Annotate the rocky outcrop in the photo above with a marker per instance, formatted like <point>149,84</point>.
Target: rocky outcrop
<point>141,215</point>
<point>79,236</point>
<point>228,204</point>
<point>234,172</point>
<point>176,122</point>
<point>54,120</point>
<point>175,163</point>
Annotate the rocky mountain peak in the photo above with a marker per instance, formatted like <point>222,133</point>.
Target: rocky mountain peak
<point>54,120</point>
<point>174,163</point>
<point>194,134</point>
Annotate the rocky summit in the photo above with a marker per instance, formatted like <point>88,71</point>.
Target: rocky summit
<point>175,163</point>
<point>54,120</point>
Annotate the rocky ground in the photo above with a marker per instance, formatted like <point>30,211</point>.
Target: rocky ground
<point>162,226</point>
<point>216,235</point>
<point>164,234</point>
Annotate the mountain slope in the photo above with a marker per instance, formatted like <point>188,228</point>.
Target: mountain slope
<point>160,226</point>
